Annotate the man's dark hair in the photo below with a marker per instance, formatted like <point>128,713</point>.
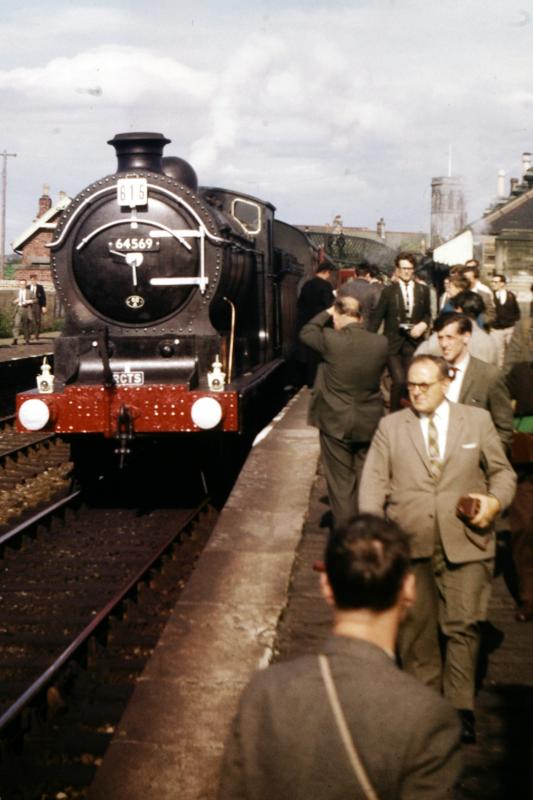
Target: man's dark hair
<point>405,257</point>
<point>440,362</point>
<point>366,563</point>
<point>464,323</point>
<point>500,276</point>
<point>324,268</point>
<point>472,265</point>
<point>470,303</point>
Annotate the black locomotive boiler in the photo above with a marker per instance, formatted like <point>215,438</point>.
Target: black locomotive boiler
<point>179,304</point>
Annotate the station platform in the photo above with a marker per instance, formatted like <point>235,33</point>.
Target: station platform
<point>253,599</point>
<point>43,346</point>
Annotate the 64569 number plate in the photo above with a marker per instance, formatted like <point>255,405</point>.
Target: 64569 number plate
<point>134,244</point>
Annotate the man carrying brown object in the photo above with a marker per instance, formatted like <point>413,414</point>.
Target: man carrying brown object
<point>402,739</point>
<point>421,462</point>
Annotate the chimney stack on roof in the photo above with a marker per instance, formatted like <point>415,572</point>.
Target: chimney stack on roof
<point>513,183</point>
<point>526,162</point>
<point>45,201</point>
<point>381,228</point>
<point>501,183</point>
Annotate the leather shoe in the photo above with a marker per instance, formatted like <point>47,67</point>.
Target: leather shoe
<point>468,726</point>
<point>524,613</point>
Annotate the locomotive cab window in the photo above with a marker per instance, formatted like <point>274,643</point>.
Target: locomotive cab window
<point>248,214</point>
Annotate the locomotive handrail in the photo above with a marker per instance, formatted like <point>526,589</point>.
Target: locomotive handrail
<point>214,239</point>
<point>137,222</point>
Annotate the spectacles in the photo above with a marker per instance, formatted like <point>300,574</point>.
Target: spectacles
<point>407,269</point>
<point>424,387</point>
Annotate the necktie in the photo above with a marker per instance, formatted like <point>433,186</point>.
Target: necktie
<point>433,448</point>
<point>407,300</point>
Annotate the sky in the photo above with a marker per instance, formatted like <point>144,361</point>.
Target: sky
<point>321,108</point>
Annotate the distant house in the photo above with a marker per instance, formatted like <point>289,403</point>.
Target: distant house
<point>31,245</point>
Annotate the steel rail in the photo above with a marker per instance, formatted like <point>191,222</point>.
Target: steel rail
<point>37,518</point>
<point>13,712</point>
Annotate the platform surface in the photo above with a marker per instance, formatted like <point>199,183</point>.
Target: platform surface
<point>170,740</point>
<point>254,598</point>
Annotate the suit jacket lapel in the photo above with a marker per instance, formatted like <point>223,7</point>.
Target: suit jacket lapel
<point>468,379</point>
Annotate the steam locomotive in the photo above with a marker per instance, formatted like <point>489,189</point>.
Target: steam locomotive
<point>180,304</point>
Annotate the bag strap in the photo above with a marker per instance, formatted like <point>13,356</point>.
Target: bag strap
<point>344,732</point>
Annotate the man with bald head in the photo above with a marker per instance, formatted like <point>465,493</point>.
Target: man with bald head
<point>346,402</point>
<point>422,461</point>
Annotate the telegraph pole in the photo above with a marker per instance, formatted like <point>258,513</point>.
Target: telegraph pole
<point>5,155</point>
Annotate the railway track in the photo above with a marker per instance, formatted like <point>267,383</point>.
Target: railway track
<point>82,606</point>
<point>34,470</point>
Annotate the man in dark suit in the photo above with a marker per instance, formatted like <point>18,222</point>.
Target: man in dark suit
<point>422,460</point>
<point>507,314</point>
<point>38,304</point>
<point>405,308</point>
<point>475,382</point>
<point>316,295</point>
<point>366,289</point>
<point>285,742</point>
<point>346,404</point>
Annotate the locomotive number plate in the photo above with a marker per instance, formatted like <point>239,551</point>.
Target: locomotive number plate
<point>132,192</point>
<point>129,244</point>
<point>135,378</point>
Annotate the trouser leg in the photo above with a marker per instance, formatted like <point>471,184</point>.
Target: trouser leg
<point>26,324</point>
<point>464,594</point>
<point>398,365</point>
<point>418,640</point>
<point>36,319</point>
<point>343,465</point>
<point>521,523</point>
<point>16,324</point>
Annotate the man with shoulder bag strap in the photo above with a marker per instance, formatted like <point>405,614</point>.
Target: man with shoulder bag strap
<point>348,723</point>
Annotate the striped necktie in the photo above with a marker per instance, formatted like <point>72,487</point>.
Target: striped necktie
<point>433,448</point>
<point>407,300</point>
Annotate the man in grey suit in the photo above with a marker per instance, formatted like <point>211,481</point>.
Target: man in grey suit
<point>346,403</point>
<point>422,460</point>
<point>285,742</point>
<point>475,382</point>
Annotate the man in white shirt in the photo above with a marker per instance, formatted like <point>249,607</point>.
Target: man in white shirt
<point>507,315</point>
<point>422,460</point>
<point>475,383</point>
<point>38,306</point>
<point>22,303</point>
<point>471,273</point>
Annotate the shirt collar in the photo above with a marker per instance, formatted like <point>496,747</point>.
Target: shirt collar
<point>462,366</point>
<point>441,412</point>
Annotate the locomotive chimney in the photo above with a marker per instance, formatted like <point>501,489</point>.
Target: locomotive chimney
<point>139,151</point>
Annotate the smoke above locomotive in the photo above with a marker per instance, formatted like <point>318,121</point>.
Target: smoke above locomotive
<point>160,280</point>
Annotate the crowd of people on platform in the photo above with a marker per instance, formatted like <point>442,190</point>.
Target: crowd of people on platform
<point>424,406</point>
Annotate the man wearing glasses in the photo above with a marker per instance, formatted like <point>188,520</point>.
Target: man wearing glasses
<point>405,309</point>
<point>427,465</point>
